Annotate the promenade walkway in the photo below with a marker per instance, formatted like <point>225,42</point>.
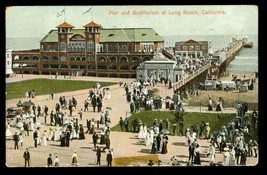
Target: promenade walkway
<point>124,144</point>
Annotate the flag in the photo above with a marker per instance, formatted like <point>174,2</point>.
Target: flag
<point>87,11</point>
<point>61,13</point>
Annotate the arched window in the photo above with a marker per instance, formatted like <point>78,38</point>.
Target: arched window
<point>54,58</point>
<point>78,59</point>
<point>72,59</point>
<point>62,46</point>
<point>146,59</point>
<point>35,58</point>
<point>83,58</point>
<point>45,58</point>
<point>63,58</point>
<point>101,59</point>
<point>124,60</point>
<point>112,59</point>
<point>26,58</point>
<point>124,67</point>
<point>135,60</point>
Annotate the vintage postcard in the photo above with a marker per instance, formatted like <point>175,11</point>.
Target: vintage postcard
<point>131,86</point>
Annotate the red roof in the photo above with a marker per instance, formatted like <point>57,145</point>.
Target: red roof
<point>92,24</point>
<point>65,25</point>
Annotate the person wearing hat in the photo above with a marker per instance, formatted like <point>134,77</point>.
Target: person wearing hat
<point>109,159</point>
<point>74,158</point>
<point>211,153</point>
<point>35,137</point>
<point>232,156</point>
<point>16,140</point>
<point>226,156</point>
<point>26,156</point>
<point>56,160</point>
<point>207,133</point>
<point>49,161</point>
<point>44,137</point>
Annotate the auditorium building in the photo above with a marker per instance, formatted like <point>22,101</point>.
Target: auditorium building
<point>90,51</point>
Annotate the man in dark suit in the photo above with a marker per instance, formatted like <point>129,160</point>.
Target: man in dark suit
<point>16,139</point>
<point>98,155</point>
<point>26,156</point>
<point>109,158</point>
<point>107,143</point>
<point>35,138</point>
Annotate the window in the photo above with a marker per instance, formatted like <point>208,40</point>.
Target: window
<point>45,58</point>
<point>110,48</point>
<point>124,59</point>
<point>112,59</point>
<point>54,59</point>
<point>124,48</point>
<point>135,59</point>
<point>197,47</point>
<point>62,46</point>
<point>90,46</point>
<point>101,59</point>
<point>7,62</point>
<point>178,47</point>
<point>191,47</point>
<point>185,47</point>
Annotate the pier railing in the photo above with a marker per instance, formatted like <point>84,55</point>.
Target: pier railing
<point>189,77</point>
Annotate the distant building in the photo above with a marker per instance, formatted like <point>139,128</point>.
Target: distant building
<point>9,71</point>
<point>192,48</point>
<point>159,69</point>
<point>91,51</point>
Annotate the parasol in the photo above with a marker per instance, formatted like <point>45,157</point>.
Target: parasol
<point>27,104</point>
<point>109,108</point>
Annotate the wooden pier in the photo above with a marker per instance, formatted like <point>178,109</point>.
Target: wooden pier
<point>225,61</point>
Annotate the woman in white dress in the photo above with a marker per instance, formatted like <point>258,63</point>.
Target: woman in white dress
<point>21,138</point>
<point>226,156</point>
<point>141,134</point>
<point>57,133</point>
<point>45,137</point>
<point>51,133</point>
<point>147,138</point>
<point>8,132</point>
<point>187,136</point>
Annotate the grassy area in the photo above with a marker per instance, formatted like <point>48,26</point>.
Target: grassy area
<point>46,86</point>
<point>216,120</point>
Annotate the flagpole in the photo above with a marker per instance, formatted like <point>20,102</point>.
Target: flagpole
<point>92,14</point>
<point>64,14</point>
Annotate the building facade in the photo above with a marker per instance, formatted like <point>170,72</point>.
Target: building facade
<point>192,48</point>
<point>9,71</point>
<point>91,51</point>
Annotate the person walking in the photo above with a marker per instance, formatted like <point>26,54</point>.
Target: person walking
<point>109,159</point>
<point>16,140</point>
<point>107,143</point>
<point>49,161</point>
<point>27,156</point>
<point>56,160</point>
<point>35,138</point>
<point>95,138</point>
<point>74,158</point>
<point>98,155</point>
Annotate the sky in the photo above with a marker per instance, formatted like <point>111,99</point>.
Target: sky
<point>37,21</point>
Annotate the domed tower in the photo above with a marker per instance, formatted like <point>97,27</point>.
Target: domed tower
<point>64,30</point>
<point>92,37</point>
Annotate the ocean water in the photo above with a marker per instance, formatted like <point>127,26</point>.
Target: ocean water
<point>245,61</point>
